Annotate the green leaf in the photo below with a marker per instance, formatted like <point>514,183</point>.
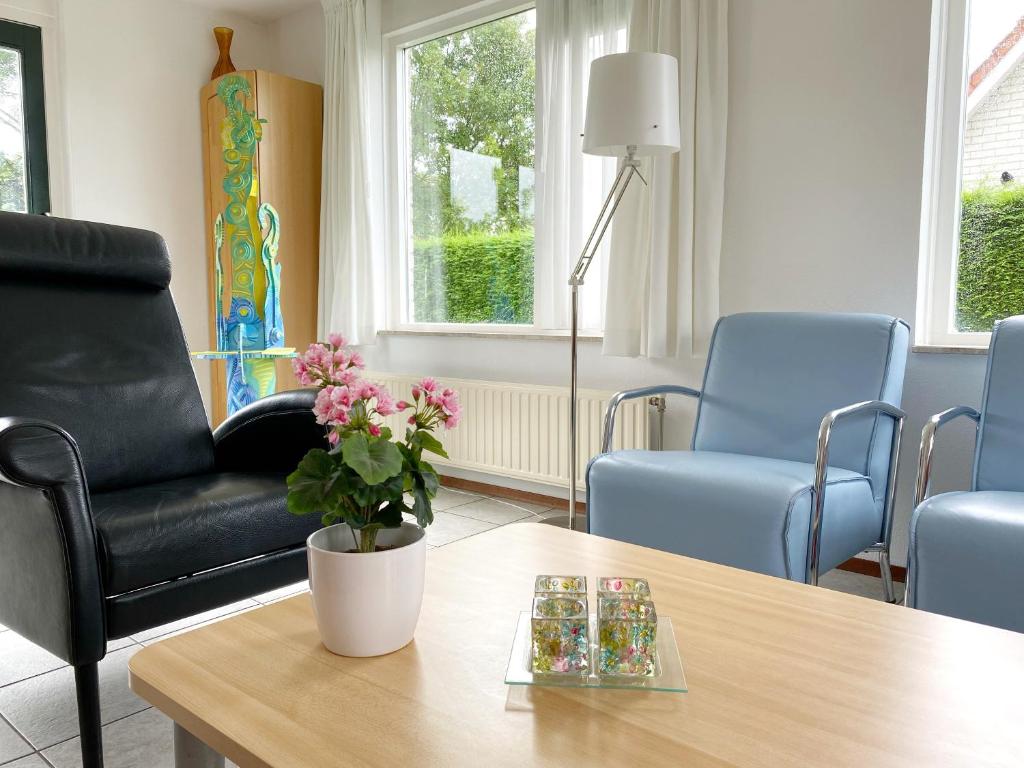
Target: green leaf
<point>390,515</point>
<point>374,460</point>
<point>421,507</point>
<point>314,486</point>
<point>427,442</point>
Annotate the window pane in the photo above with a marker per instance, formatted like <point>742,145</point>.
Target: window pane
<point>13,180</point>
<point>471,144</point>
<point>990,269</point>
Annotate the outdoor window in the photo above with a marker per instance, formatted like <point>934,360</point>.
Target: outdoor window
<point>470,144</point>
<point>24,178</point>
<point>973,233</point>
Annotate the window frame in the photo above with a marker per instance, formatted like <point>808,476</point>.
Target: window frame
<point>396,155</point>
<point>27,39</point>
<point>941,193</point>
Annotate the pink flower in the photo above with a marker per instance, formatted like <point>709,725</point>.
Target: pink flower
<point>374,430</point>
<point>333,437</point>
<point>450,402</point>
<point>365,390</point>
<point>433,400</point>
<point>356,360</point>
<point>385,403</point>
<point>416,392</point>
<point>412,419</point>
<point>348,376</point>
<point>428,384</point>
<point>337,340</point>
<point>323,406</point>
<point>452,420</point>
<point>402,405</point>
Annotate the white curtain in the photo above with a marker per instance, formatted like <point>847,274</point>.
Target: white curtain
<point>570,185</point>
<point>662,299</point>
<point>349,236</point>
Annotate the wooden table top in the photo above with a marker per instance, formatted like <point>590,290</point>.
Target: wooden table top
<point>780,674</point>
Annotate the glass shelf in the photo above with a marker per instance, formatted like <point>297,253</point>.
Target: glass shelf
<point>668,674</point>
<point>246,354</point>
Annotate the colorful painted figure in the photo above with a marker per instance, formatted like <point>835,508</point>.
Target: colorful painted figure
<point>253,322</point>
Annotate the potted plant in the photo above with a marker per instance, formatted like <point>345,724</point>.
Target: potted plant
<point>366,566</point>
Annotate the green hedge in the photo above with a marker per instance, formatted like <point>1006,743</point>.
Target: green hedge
<point>475,278</point>
<point>990,276</point>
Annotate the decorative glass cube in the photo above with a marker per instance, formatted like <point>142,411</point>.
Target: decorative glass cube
<point>561,586</point>
<point>622,586</point>
<point>627,632</point>
<point>559,635</point>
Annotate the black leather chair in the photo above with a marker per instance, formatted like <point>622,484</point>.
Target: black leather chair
<point>119,509</point>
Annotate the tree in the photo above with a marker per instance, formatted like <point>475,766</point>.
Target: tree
<point>12,183</point>
<point>10,88</point>
<point>474,91</point>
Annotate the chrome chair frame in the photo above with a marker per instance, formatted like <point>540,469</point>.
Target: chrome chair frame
<point>879,407</point>
<point>922,486</point>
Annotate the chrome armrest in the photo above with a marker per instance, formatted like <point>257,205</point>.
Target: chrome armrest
<point>924,457</point>
<point>831,418</point>
<point>632,394</point>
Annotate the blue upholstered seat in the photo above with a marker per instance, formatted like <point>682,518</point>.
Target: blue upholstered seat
<point>967,548</point>
<point>743,494</point>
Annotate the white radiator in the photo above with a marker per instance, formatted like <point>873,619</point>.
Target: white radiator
<point>522,430</point>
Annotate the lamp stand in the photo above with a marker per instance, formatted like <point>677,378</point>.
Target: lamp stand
<point>629,168</point>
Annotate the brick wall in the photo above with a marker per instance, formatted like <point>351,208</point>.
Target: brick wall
<point>994,134</point>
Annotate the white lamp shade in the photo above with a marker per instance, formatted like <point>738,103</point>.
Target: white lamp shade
<point>632,101</point>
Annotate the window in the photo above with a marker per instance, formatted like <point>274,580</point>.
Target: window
<point>461,94</point>
<point>973,211</point>
<point>24,177</point>
<point>469,165</point>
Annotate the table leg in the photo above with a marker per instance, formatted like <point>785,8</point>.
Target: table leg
<point>190,752</point>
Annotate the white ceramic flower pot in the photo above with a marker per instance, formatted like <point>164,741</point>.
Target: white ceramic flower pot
<point>367,604</point>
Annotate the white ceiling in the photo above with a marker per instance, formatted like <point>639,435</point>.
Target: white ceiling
<point>257,10</point>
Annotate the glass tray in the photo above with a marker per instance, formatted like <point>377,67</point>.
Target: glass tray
<point>668,673</point>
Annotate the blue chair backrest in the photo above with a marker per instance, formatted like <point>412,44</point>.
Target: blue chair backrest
<point>771,377</point>
<point>999,458</point>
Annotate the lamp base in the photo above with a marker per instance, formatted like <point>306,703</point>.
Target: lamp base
<point>562,521</point>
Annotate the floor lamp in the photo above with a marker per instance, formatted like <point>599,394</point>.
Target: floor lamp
<point>632,112</point>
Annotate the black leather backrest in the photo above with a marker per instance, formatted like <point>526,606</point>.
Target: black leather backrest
<point>90,340</point>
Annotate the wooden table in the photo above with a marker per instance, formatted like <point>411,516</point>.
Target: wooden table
<point>780,674</point>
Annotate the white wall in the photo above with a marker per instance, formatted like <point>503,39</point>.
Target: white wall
<point>132,70</point>
<point>823,190</point>
<point>300,43</point>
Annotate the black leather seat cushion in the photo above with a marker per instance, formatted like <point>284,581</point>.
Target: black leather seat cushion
<point>154,533</point>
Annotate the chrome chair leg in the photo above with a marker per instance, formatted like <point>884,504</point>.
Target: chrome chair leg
<point>886,569</point>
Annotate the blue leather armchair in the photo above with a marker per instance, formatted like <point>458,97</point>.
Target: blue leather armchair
<point>967,547</point>
<point>792,467</point>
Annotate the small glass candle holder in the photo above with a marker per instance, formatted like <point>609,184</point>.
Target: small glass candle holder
<point>623,586</point>
<point>627,632</point>
<point>561,586</point>
<point>559,635</point>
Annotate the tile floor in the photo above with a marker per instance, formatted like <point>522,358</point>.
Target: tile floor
<point>38,723</point>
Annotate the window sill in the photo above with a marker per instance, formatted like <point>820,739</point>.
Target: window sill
<point>530,334</point>
<point>950,349</point>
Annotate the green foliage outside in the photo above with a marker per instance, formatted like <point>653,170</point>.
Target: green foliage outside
<point>474,278</point>
<point>12,167</point>
<point>473,91</point>
<point>990,274</point>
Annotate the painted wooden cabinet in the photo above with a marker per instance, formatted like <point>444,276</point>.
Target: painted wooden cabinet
<point>262,178</point>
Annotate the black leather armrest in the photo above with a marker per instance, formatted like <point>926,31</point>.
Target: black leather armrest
<point>49,564</point>
<point>270,435</point>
